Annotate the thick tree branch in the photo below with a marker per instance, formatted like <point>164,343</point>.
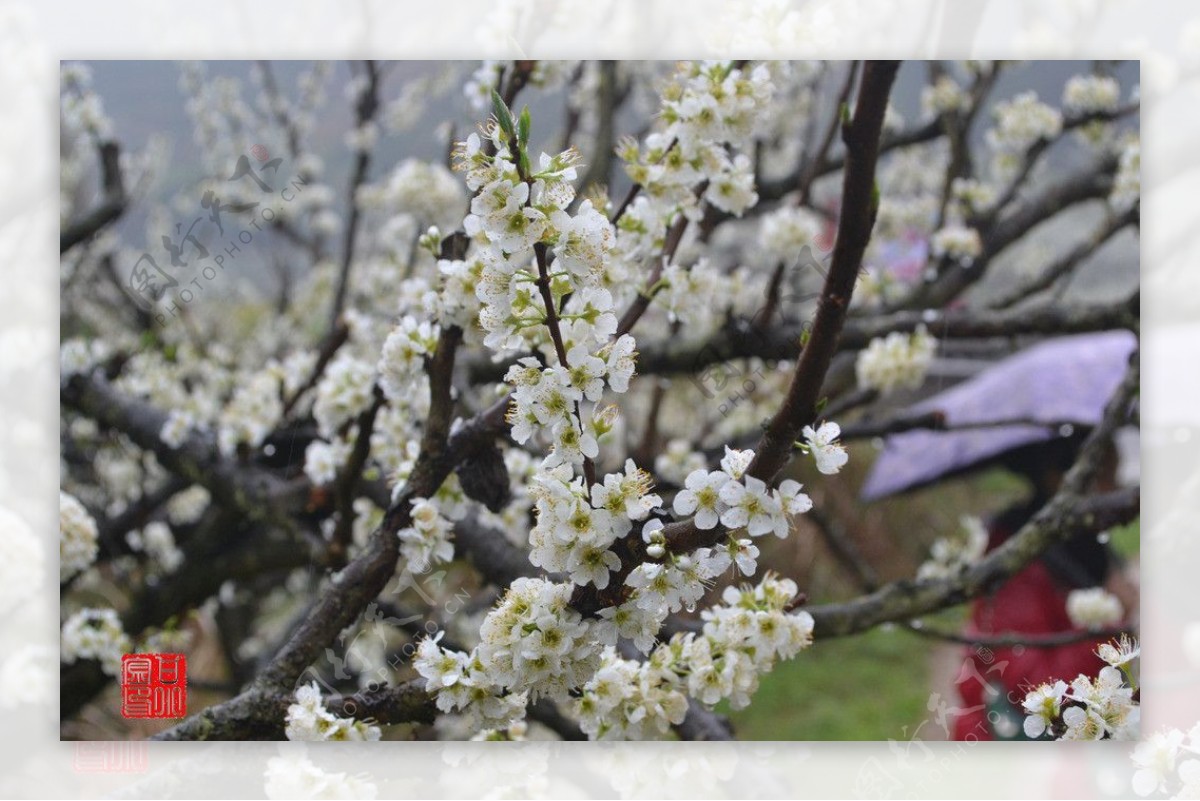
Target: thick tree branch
<point>111,207</point>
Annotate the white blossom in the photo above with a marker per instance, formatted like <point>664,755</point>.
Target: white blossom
<point>736,462</point>
<point>78,538</point>
<point>157,541</point>
<point>402,361</point>
<point>701,496</point>
<point>944,96</point>
<point>1093,608</point>
<point>322,460</point>
<point>752,507</point>
<point>1085,94</point>
<point>958,243</point>
<point>949,556</point>
<point>95,634</point>
<point>309,720</point>
<point>677,461</point>
<point>1021,122</point>
<point>1127,186</point>
<point>251,414</point>
<point>343,393</point>
<point>785,232</point>
<point>427,540</point>
<point>179,424</point>
<point>897,361</point>
<point>829,454</point>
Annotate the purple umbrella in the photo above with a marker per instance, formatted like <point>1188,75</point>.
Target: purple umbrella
<point>1064,381</point>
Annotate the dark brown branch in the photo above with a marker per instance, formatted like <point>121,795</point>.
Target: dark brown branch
<point>348,480</point>
<point>111,207</point>
<point>859,204</point>
<point>260,716</point>
<point>220,551</point>
<point>329,348</point>
<point>1041,146</point>
<point>642,302</point>
<point>259,494</point>
<point>738,339</point>
<point>1068,261</point>
<point>936,421</point>
<point>368,104</point>
<point>775,189</point>
<point>907,599</point>
<point>361,580</point>
<point>702,725</point>
<point>112,531</point>
<point>279,108</point>
<point>811,165</point>
<point>1013,639</point>
<point>953,279</point>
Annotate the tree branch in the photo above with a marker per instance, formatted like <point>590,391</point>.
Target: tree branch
<point>111,207</point>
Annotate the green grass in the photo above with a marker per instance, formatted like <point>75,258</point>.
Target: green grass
<point>867,687</point>
<point>1127,539</point>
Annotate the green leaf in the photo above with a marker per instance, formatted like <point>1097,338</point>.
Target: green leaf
<point>523,125</point>
<point>503,115</point>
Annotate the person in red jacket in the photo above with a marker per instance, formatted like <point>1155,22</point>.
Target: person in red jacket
<point>992,682</point>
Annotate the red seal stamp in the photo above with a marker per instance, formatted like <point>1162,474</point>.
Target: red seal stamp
<point>154,686</point>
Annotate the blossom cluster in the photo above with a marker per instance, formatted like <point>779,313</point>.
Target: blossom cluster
<point>95,634</point>
<point>710,110</point>
<point>427,540</point>
<point>1093,608</point>
<point>1100,708</point>
<point>426,191</point>
<point>461,683</point>
<point>950,556</point>
<point>738,501</point>
<point>896,361</point>
<point>251,414</point>
<point>956,242</point>
<point>77,543</point>
<point>944,96</point>
<point>532,644</point>
<point>308,720</point>
<point>1084,94</point>
<point>576,527</point>
<point>1022,122</point>
<point>785,232</point>
<point>973,196</point>
<point>78,356</point>
<point>822,442</point>
<point>1127,186</point>
<point>401,364</point>
<point>344,392</point>
<point>549,399</point>
<point>156,540</point>
<point>742,638</point>
<point>677,461</point>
